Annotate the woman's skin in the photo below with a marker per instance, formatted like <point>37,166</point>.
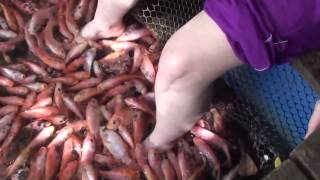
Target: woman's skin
<point>314,122</point>
<point>107,21</point>
<point>197,54</point>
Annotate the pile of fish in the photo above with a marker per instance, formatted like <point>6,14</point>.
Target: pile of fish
<point>73,108</point>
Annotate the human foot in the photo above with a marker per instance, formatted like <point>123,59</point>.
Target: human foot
<point>148,143</point>
<point>95,30</point>
<point>314,122</point>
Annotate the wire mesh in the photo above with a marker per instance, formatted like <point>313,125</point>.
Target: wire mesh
<point>281,95</point>
<point>166,16</point>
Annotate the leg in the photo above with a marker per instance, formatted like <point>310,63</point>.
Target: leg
<point>112,11</point>
<point>194,56</point>
<point>107,20</point>
<point>314,122</point>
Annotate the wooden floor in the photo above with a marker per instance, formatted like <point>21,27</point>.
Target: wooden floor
<point>303,164</point>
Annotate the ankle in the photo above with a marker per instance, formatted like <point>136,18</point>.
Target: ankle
<point>108,25</point>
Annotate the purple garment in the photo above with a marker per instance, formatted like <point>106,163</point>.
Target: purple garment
<point>267,32</point>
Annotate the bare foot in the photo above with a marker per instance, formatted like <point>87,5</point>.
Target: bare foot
<point>95,30</point>
<point>150,144</point>
<point>314,122</point>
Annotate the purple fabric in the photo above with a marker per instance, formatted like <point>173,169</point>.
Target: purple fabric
<point>267,32</point>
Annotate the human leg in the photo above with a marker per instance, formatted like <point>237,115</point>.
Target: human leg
<point>194,56</point>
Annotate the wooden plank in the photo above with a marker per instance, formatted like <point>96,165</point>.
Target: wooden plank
<point>307,156</point>
<point>287,171</point>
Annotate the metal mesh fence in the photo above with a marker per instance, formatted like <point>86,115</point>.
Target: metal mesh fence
<point>166,16</point>
<point>273,106</point>
<point>280,101</point>
<point>280,95</point>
